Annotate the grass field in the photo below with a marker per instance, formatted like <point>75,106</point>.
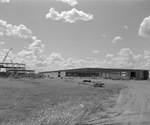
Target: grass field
<point>53,102</point>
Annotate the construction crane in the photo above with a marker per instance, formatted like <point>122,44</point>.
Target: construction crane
<point>1,66</point>
<point>6,55</point>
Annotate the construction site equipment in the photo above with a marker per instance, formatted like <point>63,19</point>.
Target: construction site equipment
<point>2,66</point>
<point>6,55</point>
<point>15,70</point>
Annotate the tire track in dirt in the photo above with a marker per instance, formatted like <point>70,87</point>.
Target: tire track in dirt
<point>134,105</point>
<point>132,108</point>
<point>130,104</point>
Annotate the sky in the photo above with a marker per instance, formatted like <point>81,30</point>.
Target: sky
<point>65,34</point>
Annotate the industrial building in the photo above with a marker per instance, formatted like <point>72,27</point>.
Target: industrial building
<point>105,73</point>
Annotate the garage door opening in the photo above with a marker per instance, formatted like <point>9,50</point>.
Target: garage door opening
<point>133,75</point>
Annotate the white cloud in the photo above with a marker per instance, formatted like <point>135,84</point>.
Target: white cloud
<point>34,58</point>
<point>70,64</point>
<point>1,33</point>
<point>37,44</point>
<point>103,35</point>
<point>69,16</point>
<point>109,56</point>
<point>116,39</point>
<point>54,57</point>
<point>125,58</point>
<point>89,58</point>
<point>24,53</point>
<point>34,54</point>
<point>2,43</point>
<point>70,2</point>
<point>96,51</point>
<point>125,52</point>
<point>4,1</point>
<point>125,26</point>
<point>144,29</point>
<point>20,31</point>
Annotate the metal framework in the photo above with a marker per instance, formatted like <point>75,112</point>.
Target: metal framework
<point>15,69</point>
<point>8,66</point>
<point>6,55</point>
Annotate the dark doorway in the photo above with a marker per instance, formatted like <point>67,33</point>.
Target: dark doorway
<point>59,74</point>
<point>133,75</point>
<point>145,75</point>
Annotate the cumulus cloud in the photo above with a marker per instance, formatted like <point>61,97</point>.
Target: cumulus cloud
<point>2,43</point>
<point>103,35</point>
<point>69,16</point>
<point>20,31</point>
<point>33,56</point>
<point>125,58</point>
<point>4,1</point>
<point>116,39</point>
<point>70,2</point>
<point>144,29</point>
<point>55,57</point>
<point>37,44</point>
<point>24,53</point>
<point>125,26</point>
<point>96,51</point>
<point>125,52</point>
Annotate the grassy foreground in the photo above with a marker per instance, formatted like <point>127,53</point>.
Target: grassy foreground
<point>53,102</point>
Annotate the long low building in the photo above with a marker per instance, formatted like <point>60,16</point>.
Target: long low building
<point>105,73</point>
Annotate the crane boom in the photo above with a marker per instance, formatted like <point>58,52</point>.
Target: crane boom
<point>6,55</point>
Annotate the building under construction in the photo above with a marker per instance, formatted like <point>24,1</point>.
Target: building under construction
<point>14,69</point>
<point>106,73</point>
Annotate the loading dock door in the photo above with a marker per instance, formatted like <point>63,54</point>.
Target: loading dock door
<point>59,74</point>
<point>133,75</point>
<point>145,75</point>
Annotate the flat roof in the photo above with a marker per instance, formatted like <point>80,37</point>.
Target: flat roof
<point>12,63</point>
<point>95,70</point>
<point>23,70</point>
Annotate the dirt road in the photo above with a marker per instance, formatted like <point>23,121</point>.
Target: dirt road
<point>133,106</point>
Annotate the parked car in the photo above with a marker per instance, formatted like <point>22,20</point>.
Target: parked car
<point>86,80</point>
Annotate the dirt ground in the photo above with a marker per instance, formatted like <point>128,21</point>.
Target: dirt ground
<point>133,105</point>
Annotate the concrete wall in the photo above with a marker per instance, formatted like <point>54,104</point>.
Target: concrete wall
<point>109,75</point>
<point>51,75</point>
<point>54,74</point>
<point>63,74</point>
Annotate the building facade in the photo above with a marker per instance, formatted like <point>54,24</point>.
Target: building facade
<point>105,73</point>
